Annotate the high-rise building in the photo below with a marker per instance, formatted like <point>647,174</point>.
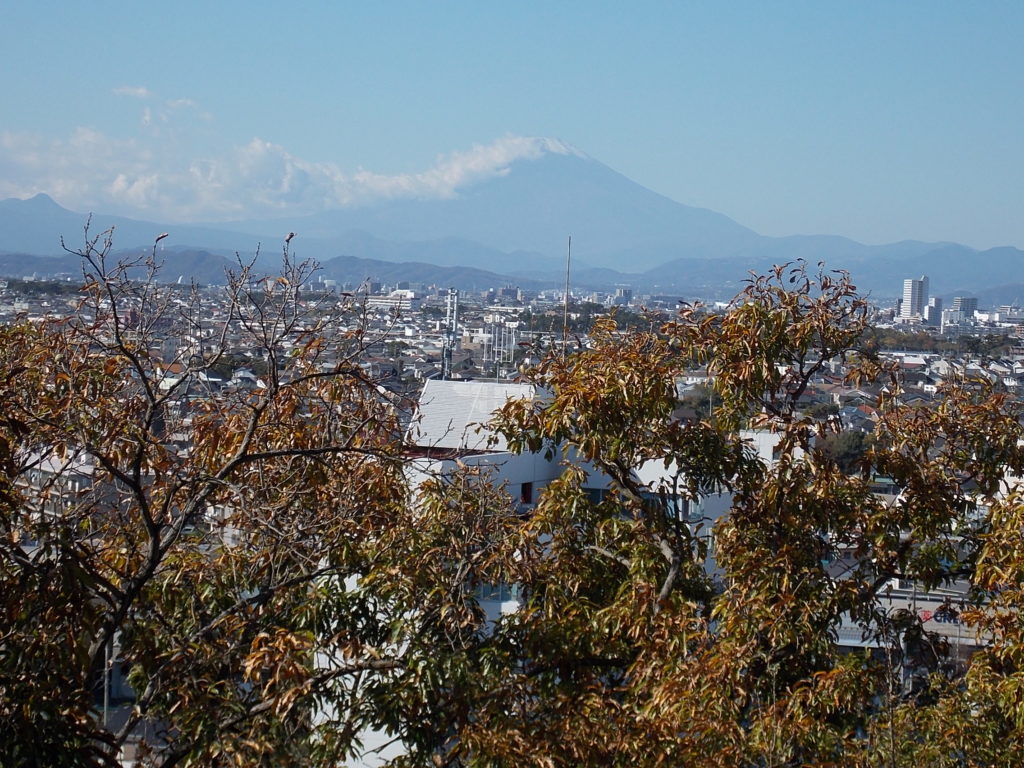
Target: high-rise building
<point>966,304</point>
<point>915,297</point>
<point>933,312</point>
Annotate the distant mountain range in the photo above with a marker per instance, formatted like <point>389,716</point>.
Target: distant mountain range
<point>513,228</point>
<point>207,268</point>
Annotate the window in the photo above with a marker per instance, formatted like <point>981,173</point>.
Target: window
<point>526,494</point>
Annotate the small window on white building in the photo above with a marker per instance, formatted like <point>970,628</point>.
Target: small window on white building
<point>526,493</point>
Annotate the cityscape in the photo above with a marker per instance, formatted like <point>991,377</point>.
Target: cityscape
<point>468,386</point>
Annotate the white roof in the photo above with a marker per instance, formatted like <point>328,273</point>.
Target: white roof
<point>450,413</point>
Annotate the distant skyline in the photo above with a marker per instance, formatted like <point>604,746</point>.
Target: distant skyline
<point>879,121</point>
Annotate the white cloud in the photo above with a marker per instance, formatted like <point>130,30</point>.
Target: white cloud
<point>143,177</point>
<point>460,169</point>
<point>159,111</point>
<point>135,91</point>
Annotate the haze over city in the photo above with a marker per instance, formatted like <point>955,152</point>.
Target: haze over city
<point>875,121</point>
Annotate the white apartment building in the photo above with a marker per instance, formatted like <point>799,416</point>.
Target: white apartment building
<point>915,298</point>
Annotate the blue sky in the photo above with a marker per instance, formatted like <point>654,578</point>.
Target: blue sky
<point>879,121</point>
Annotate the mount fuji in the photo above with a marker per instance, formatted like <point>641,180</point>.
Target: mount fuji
<point>514,222</point>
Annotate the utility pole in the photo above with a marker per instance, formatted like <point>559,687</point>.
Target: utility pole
<point>107,663</point>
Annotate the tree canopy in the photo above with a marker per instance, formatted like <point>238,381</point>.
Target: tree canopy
<point>275,579</point>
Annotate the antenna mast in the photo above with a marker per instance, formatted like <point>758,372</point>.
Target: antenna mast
<point>451,322</point>
<point>565,315</point>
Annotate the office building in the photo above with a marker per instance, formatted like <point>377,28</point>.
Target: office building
<point>966,304</point>
<point>915,298</point>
